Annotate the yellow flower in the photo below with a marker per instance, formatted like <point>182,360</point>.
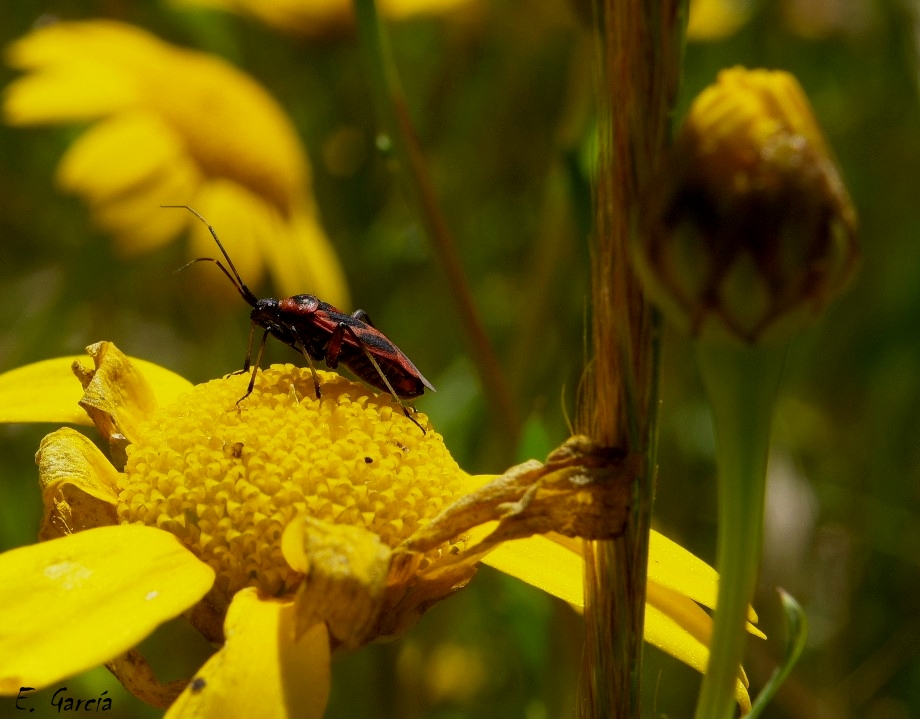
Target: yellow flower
<point>320,17</point>
<point>749,231</point>
<point>717,19</point>
<point>282,526</point>
<point>175,127</point>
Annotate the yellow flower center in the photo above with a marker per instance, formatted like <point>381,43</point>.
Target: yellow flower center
<point>227,478</point>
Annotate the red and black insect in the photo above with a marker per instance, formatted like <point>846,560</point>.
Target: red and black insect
<point>322,332</point>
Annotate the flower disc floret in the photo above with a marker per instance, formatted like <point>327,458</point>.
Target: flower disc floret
<point>227,478</point>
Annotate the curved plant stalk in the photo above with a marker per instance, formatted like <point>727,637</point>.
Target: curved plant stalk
<point>796,634</point>
<point>394,117</point>
<point>741,383</point>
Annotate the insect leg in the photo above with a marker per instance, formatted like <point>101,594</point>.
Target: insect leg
<point>303,349</point>
<point>362,316</point>
<point>334,346</point>
<point>255,367</point>
<point>247,363</point>
<point>367,353</point>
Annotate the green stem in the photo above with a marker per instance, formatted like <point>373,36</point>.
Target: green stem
<point>742,384</point>
<point>394,116</point>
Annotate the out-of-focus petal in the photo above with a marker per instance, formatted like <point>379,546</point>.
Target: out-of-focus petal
<point>62,95</point>
<point>177,127</point>
<point>248,228</point>
<point>261,671</point>
<point>398,9</point>
<point>118,154</point>
<point>296,249</point>
<point>73,603</point>
<point>717,19</point>
<point>318,17</point>
<point>304,258</point>
<point>137,220</point>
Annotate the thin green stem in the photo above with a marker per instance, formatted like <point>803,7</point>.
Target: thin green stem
<point>394,116</point>
<point>742,384</point>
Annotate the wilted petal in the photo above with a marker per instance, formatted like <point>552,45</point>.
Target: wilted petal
<point>117,393</point>
<point>79,485</point>
<point>345,572</point>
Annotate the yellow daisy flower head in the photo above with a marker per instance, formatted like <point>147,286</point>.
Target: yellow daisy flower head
<point>283,526</point>
<point>749,231</point>
<point>320,17</point>
<point>174,126</point>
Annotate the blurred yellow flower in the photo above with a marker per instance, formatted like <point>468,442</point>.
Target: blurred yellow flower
<point>283,527</point>
<point>175,126</point>
<point>717,19</point>
<point>319,17</point>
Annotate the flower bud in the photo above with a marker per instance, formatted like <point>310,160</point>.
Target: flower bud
<point>747,232</point>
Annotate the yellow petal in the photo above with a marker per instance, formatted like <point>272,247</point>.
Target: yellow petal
<point>44,391</point>
<point>672,566</point>
<point>147,166</point>
<point>542,563</point>
<point>79,485</point>
<point>246,224</point>
<point>80,71</point>
<point>132,147</point>
<point>665,633</point>
<point>231,126</point>
<point>669,564</point>
<point>137,219</point>
<point>75,602</point>
<point>399,9</point>
<point>687,613</point>
<point>717,19</point>
<point>47,391</point>
<point>673,623</point>
<point>64,95</point>
<point>303,257</point>
<point>253,231</point>
<point>261,671</point>
<point>62,43</point>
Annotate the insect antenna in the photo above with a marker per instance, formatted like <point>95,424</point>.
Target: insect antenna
<point>235,278</point>
<point>250,298</point>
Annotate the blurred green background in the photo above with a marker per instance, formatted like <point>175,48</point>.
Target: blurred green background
<point>501,93</point>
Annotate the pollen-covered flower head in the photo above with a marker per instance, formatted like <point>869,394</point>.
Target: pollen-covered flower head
<point>174,126</point>
<point>283,525</point>
<point>229,479</point>
<point>748,231</point>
